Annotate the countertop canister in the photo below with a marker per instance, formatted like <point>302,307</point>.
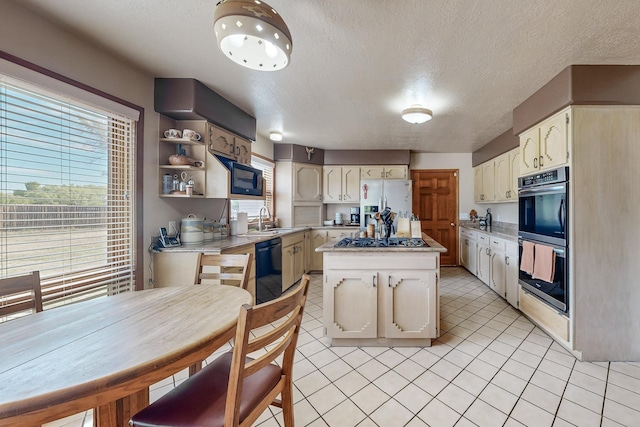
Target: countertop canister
<point>191,230</point>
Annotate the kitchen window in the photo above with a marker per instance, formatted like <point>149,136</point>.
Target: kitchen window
<point>252,207</point>
<point>67,190</point>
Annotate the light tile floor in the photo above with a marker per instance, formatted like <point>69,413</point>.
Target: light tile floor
<point>490,367</point>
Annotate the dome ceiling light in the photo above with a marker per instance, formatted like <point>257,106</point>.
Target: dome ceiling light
<point>417,114</point>
<point>275,136</point>
<point>251,33</point>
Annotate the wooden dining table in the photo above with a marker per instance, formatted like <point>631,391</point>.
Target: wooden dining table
<point>105,353</point>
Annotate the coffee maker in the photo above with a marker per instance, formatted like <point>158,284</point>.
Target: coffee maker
<point>355,215</point>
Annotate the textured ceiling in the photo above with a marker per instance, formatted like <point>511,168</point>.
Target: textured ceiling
<point>357,63</point>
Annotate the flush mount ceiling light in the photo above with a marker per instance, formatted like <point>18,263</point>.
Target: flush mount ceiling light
<point>251,33</point>
<point>275,136</point>
<point>417,114</point>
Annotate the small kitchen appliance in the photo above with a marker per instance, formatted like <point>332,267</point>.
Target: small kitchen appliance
<point>355,215</point>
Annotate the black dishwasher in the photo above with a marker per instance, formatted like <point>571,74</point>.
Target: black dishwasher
<point>268,270</point>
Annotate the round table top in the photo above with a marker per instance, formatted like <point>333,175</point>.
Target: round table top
<point>90,350</point>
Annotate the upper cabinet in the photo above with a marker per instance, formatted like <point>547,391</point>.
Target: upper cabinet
<point>384,172</point>
<point>497,180</point>
<point>224,143</point>
<point>545,146</point>
<point>341,184</point>
<point>307,182</point>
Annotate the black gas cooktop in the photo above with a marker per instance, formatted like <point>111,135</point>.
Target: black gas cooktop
<point>367,242</point>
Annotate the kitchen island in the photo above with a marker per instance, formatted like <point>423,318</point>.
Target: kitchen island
<point>381,292</point>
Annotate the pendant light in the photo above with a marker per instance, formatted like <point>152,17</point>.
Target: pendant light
<point>416,114</point>
<point>251,33</point>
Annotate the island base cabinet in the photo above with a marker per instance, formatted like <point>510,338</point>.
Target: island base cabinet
<point>408,304</point>
<point>351,304</point>
<point>396,305</point>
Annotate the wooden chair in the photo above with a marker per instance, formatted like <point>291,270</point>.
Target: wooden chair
<point>235,389</point>
<point>227,269</point>
<point>13,290</point>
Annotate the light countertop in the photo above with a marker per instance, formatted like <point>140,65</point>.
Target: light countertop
<point>507,233</point>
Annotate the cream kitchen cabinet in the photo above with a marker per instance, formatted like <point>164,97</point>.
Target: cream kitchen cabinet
<point>307,182</point>
<point>484,182</point>
<point>293,259</point>
<point>318,238</point>
<point>546,145</point>
<point>219,141</point>
<point>507,168</point>
<point>298,194</point>
<point>469,250</point>
<point>497,269</point>
<point>484,258</point>
<point>384,172</point>
<point>392,297</point>
<point>341,184</point>
<point>512,287</point>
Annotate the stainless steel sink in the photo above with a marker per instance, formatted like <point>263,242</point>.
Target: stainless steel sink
<point>271,232</point>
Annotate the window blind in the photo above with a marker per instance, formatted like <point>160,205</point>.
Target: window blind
<point>252,207</point>
<point>66,193</point>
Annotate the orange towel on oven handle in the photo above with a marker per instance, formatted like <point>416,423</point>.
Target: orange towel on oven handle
<point>526,264</point>
<point>545,263</point>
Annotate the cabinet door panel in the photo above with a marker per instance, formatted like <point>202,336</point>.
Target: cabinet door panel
<point>477,183</point>
<point>529,142</point>
<point>332,184</point>
<point>343,318</point>
<point>242,150</point>
<point>553,141</point>
<point>503,177</point>
<point>488,181</point>
<point>372,172</point>
<point>350,185</point>
<point>484,263</point>
<point>512,288</point>
<point>409,301</point>
<point>318,238</point>
<point>221,142</point>
<point>307,183</point>
<point>497,273</point>
<point>395,172</point>
<point>514,173</point>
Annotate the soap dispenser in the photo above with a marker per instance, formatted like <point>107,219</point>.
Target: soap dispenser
<point>488,218</point>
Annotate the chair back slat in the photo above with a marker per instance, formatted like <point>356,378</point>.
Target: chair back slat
<point>20,293</point>
<point>226,269</point>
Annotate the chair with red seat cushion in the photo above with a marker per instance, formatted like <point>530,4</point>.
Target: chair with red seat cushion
<point>235,389</point>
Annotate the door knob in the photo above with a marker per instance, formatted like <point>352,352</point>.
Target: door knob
<point>452,224</point>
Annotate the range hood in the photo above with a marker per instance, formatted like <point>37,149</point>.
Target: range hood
<point>189,99</point>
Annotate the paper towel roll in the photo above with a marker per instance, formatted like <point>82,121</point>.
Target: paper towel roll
<point>243,223</point>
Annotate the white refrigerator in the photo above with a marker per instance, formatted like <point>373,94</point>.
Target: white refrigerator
<point>377,194</point>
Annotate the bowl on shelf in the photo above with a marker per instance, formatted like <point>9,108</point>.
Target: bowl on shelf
<point>176,159</point>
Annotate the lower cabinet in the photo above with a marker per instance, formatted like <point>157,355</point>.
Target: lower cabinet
<point>498,266</point>
<point>494,262</point>
<point>317,239</point>
<point>484,258</point>
<point>469,250</point>
<point>293,259</point>
<point>393,296</point>
<point>512,288</point>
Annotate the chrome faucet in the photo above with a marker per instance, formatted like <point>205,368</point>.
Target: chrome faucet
<point>260,222</point>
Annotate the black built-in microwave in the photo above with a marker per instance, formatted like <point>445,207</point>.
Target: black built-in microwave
<point>245,180</point>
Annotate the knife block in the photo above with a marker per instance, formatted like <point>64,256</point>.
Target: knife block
<point>403,227</point>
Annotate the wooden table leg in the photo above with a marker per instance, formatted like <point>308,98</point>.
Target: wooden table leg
<point>119,412</point>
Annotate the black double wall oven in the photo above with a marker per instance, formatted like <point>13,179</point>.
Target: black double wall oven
<point>543,205</point>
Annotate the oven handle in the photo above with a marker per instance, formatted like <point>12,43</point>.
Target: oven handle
<point>562,215</point>
<point>559,251</point>
<point>556,189</point>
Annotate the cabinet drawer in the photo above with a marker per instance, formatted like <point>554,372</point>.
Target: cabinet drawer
<point>483,239</point>
<point>497,244</point>
<point>550,320</point>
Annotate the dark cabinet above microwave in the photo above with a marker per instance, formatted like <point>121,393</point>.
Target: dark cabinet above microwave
<point>189,99</point>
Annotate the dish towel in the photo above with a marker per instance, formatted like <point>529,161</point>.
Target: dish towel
<point>526,264</point>
<point>545,263</point>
